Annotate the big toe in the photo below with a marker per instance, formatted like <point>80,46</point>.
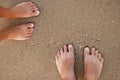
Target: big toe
<point>86,51</point>
<point>36,13</point>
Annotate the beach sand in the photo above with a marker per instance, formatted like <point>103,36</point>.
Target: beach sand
<point>80,22</point>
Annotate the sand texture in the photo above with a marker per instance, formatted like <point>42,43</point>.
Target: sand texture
<point>81,22</point>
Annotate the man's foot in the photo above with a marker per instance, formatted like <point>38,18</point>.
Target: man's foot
<point>21,32</point>
<point>25,9</point>
<point>65,62</point>
<point>93,63</point>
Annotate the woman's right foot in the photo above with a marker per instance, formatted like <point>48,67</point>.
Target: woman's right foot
<point>93,63</point>
<point>21,32</point>
<point>23,10</point>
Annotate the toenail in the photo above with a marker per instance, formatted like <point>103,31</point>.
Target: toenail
<point>37,12</point>
<point>87,49</point>
<point>31,24</point>
<point>70,46</point>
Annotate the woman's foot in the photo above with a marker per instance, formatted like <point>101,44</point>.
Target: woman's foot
<point>65,62</point>
<point>21,32</point>
<point>93,63</point>
<point>23,10</point>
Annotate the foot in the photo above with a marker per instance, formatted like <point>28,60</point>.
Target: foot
<point>21,32</point>
<point>25,9</point>
<point>93,63</point>
<point>65,62</point>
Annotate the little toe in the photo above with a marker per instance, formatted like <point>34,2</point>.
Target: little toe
<point>27,37</point>
<point>70,48</point>
<point>59,54</point>
<point>101,60</point>
<point>56,58</point>
<point>31,3</point>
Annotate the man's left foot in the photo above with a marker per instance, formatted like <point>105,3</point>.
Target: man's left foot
<point>65,62</point>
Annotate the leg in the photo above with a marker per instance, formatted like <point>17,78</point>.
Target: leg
<point>93,63</point>
<point>22,10</point>
<point>65,62</point>
<point>21,32</point>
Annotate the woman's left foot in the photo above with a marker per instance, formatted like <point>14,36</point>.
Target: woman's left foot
<point>23,10</point>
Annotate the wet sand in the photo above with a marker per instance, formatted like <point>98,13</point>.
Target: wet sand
<point>81,22</point>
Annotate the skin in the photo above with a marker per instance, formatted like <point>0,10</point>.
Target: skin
<point>65,62</point>
<point>93,63</point>
<point>20,32</point>
<point>21,10</point>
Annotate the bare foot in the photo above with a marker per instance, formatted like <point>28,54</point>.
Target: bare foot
<point>21,32</point>
<point>25,9</point>
<point>65,62</point>
<point>93,63</point>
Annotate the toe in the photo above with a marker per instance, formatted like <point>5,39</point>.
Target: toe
<point>61,51</point>
<point>96,53</point>
<point>101,60</point>
<point>93,51</point>
<point>36,13</point>
<point>86,51</point>
<point>58,54</point>
<point>30,30</point>
<point>30,24</point>
<point>26,38</point>
<point>57,57</point>
<point>29,34</point>
<point>65,48</point>
<point>35,8</point>
<point>70,48</point>
<point>31,3</point>
<point>99,55</point>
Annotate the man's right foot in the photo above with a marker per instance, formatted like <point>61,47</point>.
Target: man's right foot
<point>93,63</point>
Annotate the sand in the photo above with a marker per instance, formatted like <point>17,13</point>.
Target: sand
<point>81,22</point>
